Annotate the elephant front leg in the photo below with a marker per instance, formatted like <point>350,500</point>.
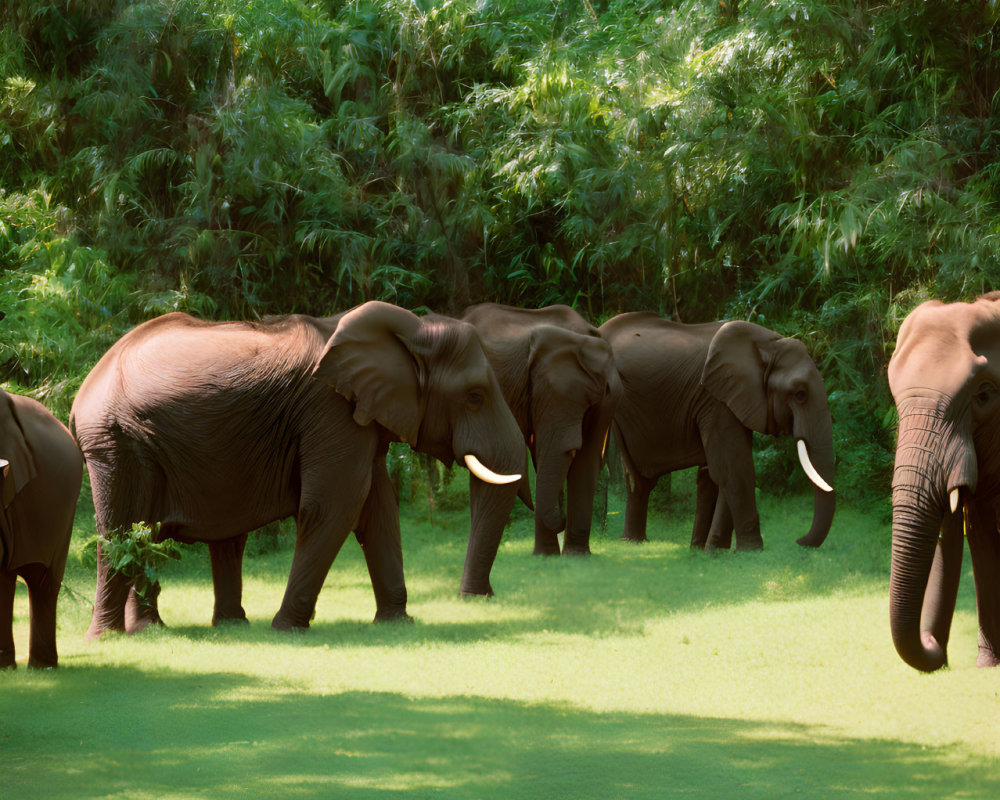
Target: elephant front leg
<point>720,534</point>
<point>227,579</point>
<point>984,547</point>
<point>729,453</point>
<point>378,534</point>
<point>142,610</point>
<point>8,585</point>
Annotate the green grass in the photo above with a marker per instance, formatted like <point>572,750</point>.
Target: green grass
<point>643,671</point>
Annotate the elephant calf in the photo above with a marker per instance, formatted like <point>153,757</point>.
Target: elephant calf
<point>40,473</point>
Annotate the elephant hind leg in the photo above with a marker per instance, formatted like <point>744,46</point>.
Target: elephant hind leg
<point>8,583</point>
<point>708,495</point>
<point>637,489</point>
<point>110,597</point>
<point>227,579</point>
<point>984,547</point>
<point>141,611</point>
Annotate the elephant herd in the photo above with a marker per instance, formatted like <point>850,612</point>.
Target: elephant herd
<point>214,429</point>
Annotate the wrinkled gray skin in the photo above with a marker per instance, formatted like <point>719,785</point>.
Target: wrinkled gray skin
<point>945,378</point>
<point>39,486</point>
<point>693,396</point>
<point>216,429</point>
<point>559,379</point>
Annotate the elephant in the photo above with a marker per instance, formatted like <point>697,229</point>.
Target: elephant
<point>559,379</point>
<point>41,469</point>
<point>693,395</point>
<point>944,375</point>
<point>214,429</point>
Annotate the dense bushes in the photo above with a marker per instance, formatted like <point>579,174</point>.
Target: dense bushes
<point>818,167</point>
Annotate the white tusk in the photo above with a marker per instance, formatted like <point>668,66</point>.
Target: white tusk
<point>953,497</point>
<point>809,469</point>
<point>485,474</point>
<point>3,462</point>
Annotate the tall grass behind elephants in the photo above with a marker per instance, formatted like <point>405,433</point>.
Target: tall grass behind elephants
<point>640,669</point>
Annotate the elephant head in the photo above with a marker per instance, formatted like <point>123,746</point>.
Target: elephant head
<point>945,379</point>
<point>773,386</point>
<point>427,381</point>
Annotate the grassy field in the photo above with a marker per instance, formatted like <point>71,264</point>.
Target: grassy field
<point>643,671</point>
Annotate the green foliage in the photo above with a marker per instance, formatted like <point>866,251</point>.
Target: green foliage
<point>135,553</point>
<point>817,166</point>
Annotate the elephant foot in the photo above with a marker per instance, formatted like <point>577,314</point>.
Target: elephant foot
<point>40,665</point>
<point>747,545</point>
<point>7,660</point>
<point>218,622</point>
<point>630,537</point>
<point>467,593</point>
<point>97,630</point>
<point>546,549</point>
<point>287,625</point>
<point>576,549</point>
<point>987,658</point>
<point>392,615</point>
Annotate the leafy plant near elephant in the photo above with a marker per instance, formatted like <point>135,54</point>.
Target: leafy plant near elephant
<point>693,395</point>
<point>559,379</point>
<point>212,430</point>
<point>945,378</point>
<point>40,474</point>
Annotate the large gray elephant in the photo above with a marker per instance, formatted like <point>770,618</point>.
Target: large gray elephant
<point>40,473</point>
<point>558,377</point>
<point>945,378</point>
<point>693,396</point>
<point>215,429</point>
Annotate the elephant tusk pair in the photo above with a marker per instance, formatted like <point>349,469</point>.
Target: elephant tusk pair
<point>485,474</point>
<point>809,469</point>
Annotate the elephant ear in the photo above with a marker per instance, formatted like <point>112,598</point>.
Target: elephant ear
<point>372,361</point>
<point>15,451</point>
<point>734,372</point>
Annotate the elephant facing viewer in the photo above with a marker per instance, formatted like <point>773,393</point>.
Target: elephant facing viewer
<point>559,379</point>
<point>40,473</point>
<point>693,395</point>
<point>945,379</point>
<point>215,429</point>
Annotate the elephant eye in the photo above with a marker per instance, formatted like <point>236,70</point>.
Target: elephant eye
<point>984,394</point>
<point>475,398</point>
<point>800,395</point>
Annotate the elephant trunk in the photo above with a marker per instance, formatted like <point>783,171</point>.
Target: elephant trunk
<point>816,455</point>
<point>549,518</point>
<point>931,460</point>
<point>490,506</point>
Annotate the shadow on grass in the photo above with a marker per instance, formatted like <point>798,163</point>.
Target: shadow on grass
<point>93,733</point>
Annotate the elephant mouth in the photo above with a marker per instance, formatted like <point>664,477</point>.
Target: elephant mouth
<point>485,474</point>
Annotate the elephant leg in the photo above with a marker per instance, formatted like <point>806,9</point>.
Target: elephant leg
<point>720,534</point>
<point>227,579</point>
<point>729,453</point>
<point>984,546</point>
<point>581,486</point>
<point>110,597</point>
<point>708,494</point>
<point>43,592</point>
<point>378,534</point>
<point>8,584</point>
<point>942,585</point>
<point>637,490</point>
